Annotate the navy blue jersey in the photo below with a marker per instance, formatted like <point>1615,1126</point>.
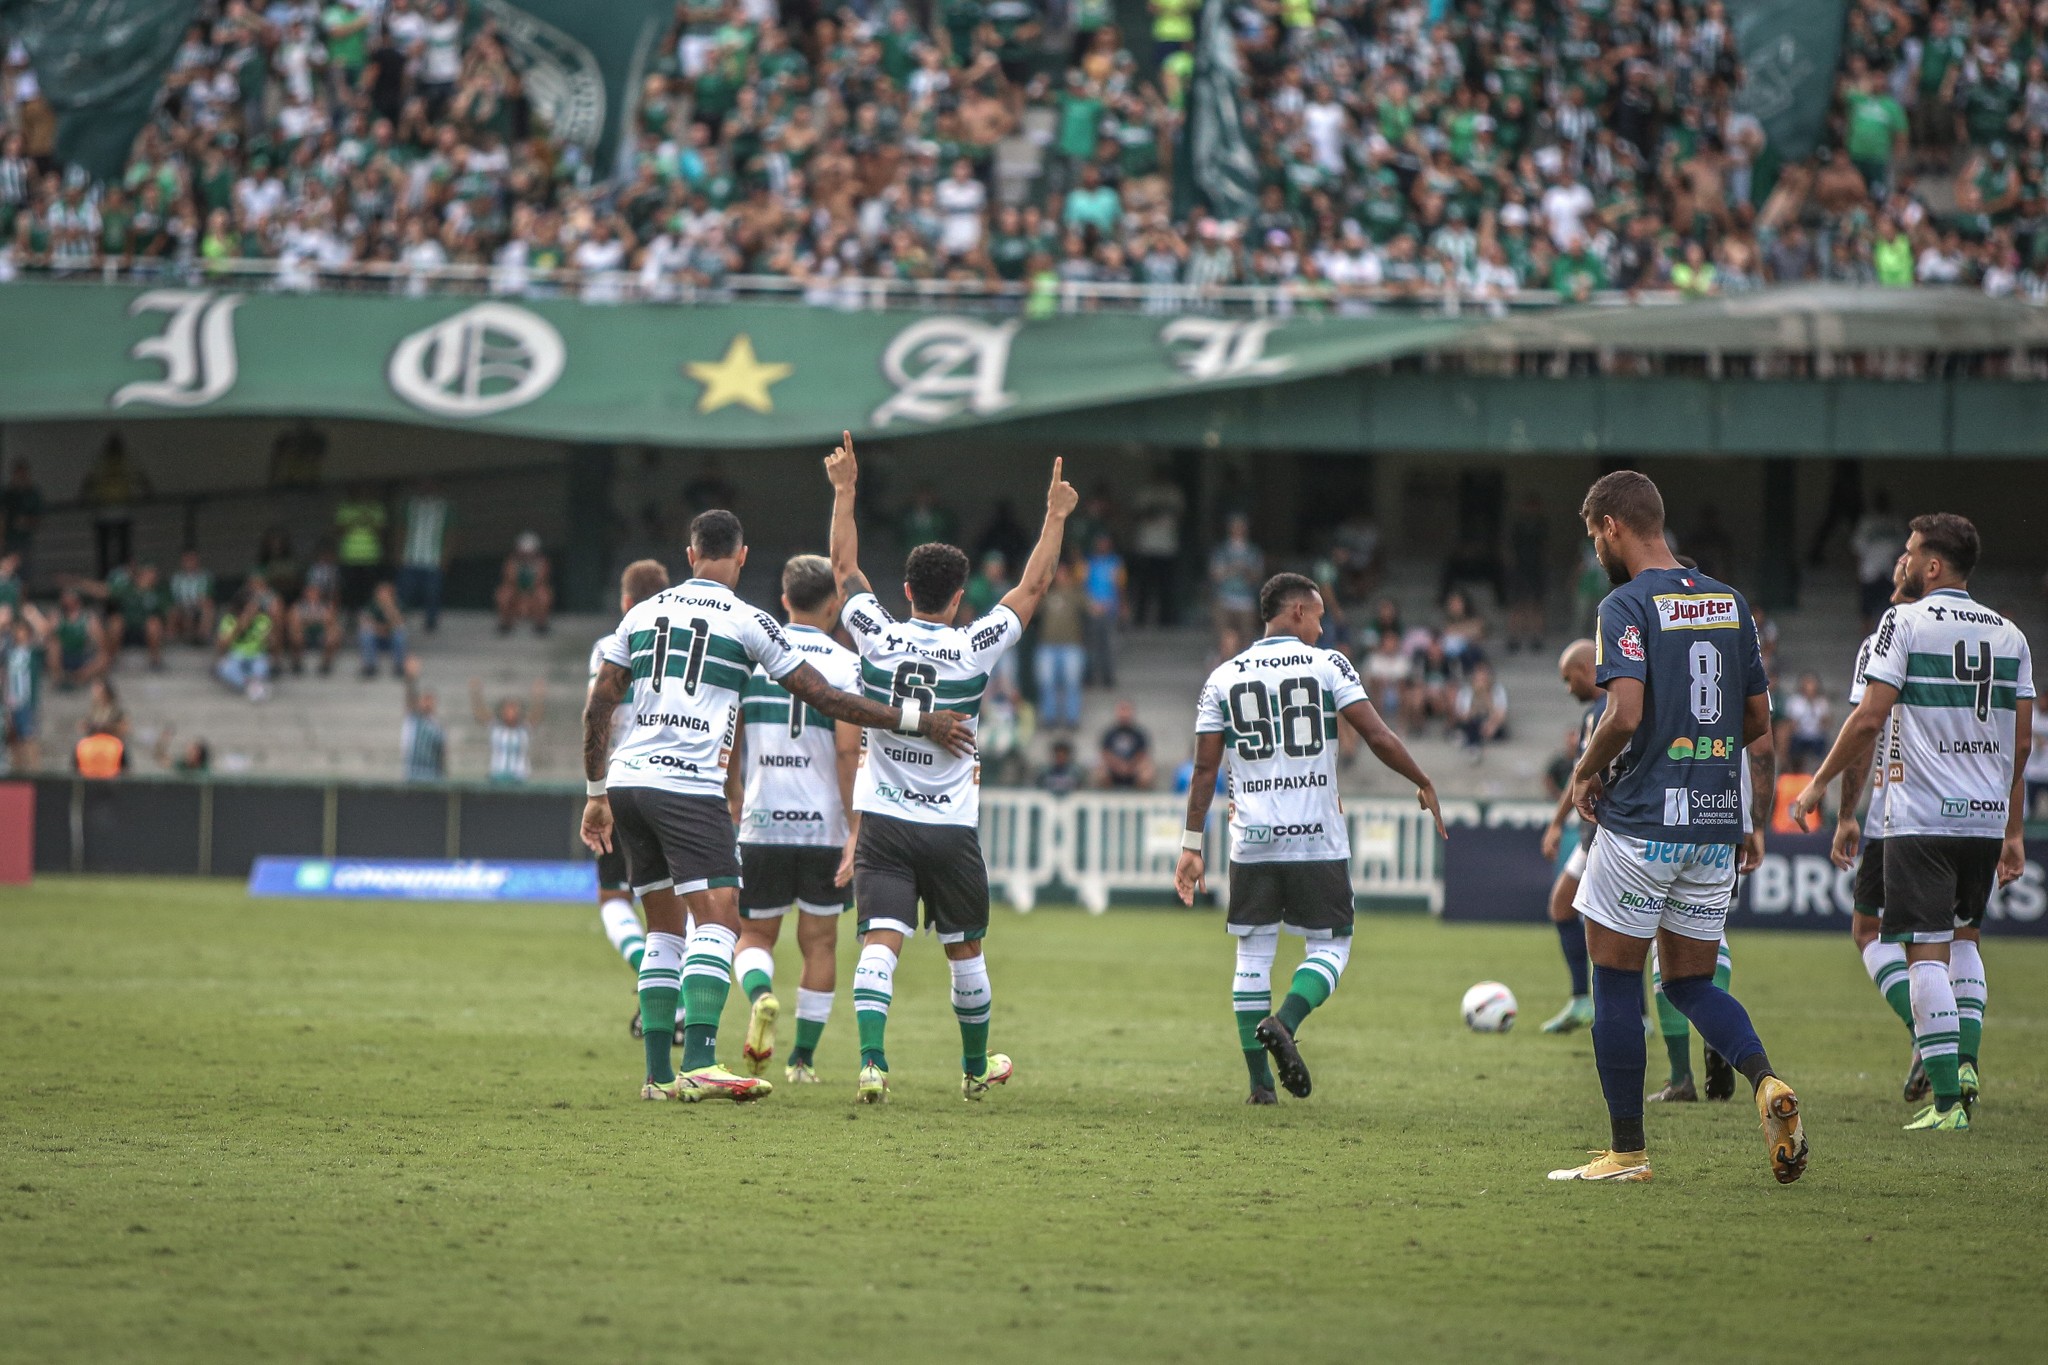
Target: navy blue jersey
<point>1691,642</point>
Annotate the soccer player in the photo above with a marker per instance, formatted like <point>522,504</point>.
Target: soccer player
<point>679,664</point>
<point>920,806</point>
<point>1274,709</point>
<point>795,845</point>
<point>1677,654</point>
<point>1951,675</point>
<point>1575,669</point>
<point>1885,962</point>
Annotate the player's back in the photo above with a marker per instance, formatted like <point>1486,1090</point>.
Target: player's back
<point>939,667</point>
<point>792,759</point>
<point>1276,705</point>
<point>1691,642</point>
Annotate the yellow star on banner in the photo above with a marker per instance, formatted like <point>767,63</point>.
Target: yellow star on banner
<point>738,378</point>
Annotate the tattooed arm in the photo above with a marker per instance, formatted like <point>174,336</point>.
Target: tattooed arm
<point>808,685</point>
<point>607,690</point>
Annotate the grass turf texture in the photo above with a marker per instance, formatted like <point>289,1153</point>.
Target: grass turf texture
<point>239,1130</point>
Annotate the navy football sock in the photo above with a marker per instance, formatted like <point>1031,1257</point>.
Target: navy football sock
<point>1723,1024</point>
<point>1571,937</point>
<point>1618,1052</point>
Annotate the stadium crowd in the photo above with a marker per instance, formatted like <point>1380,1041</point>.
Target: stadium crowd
<point>1405,147</point>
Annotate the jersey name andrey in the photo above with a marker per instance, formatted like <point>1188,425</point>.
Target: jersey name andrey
<point>792,754</point>
<point>1276,706</point>
<point>691,649</point>
<point>944,668</point>
<point>1691,641</point>
<point>1961,671</point>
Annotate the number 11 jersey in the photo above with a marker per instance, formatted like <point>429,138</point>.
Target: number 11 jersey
<point>1276,707</point>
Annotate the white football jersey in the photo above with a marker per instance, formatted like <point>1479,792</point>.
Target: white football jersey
<point>1962,672</point>
<point>943,667</point>
<point>691,649</point>
<point>792,757</point>
<point>1276,706</point>
<point>1884,734</point>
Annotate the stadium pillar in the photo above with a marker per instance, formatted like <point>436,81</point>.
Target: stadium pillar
<point>587,555</point>
<point>1778,577</point>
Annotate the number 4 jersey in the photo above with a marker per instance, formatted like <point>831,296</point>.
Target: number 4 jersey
<point>1276,707</point>
<point>945,668</point>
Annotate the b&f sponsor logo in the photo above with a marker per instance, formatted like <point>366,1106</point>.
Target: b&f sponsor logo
<point>1697,611</point>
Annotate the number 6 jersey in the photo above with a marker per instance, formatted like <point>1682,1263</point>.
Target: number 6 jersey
<point>944,668</point>
<point>1276,707</point>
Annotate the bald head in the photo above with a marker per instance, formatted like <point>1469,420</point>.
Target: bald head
<point>1575,667</point>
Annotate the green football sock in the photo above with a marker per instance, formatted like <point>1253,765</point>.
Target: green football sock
<point>873,1026</point>
<point>1314,980</point>
<point>1678,1046</point>
<point>972,1005</point>
<point>1260,1067</point>
<point>707,981</point>
<point>805,1050</point>
<point>756,984</point>
<point>658,1030</point>
<point>1899,995</point>
<point>635,952</point>
<point>874,978</point>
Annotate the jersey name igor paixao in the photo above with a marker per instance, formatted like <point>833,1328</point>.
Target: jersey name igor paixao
<point>1962,671</point>
<point>944,668</point>
<point>792,753</point>
<point>1691,642</point>
<point>691,649</point>
<point>1276,706</point>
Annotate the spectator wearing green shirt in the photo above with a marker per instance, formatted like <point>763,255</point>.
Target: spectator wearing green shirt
<point>192,604</point>
<point>1173,26</point>
<point>423,552</point>
<point>359,545</point>
<point>1940,65</point>
<point>1093,204</point>
<point>1876,133</point>
<point>1891,256</point>
<point>1577,273</point>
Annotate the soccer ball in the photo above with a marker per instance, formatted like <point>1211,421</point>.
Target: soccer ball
<point>1489,1007</point>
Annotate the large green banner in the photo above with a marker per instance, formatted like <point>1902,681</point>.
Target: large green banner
<point>737,375</point>
<point>1789,49</point>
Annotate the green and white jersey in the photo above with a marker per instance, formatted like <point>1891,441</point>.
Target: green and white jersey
<point>691,649</point>
<point>1276,707</point>
<point>1962,671</point>
<point>1884,735</point>
<point>945,668</point>
<point>792,756</point>
<point>426,532</point>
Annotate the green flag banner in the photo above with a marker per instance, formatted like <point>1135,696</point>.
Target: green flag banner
<point>1788,56</point>
<point>737,375</point>
<point>1216,167</point>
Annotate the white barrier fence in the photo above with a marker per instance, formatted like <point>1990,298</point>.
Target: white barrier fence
<point>1099,843</point>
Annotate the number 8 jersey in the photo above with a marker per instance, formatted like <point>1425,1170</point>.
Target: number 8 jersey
<point>1276,707</point>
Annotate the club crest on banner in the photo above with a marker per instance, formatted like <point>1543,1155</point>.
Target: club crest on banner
<point>945,366</point>
<point>483,360</point>
<point>1213,348</point>
<point>196,348</point>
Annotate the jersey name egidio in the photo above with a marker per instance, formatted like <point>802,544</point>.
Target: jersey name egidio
<point>1276,706</point>
<point>945,668</point>
<point>691,649</point>
<point>1884,735</point>
<point>792,754</point>
<point>1962,671</point>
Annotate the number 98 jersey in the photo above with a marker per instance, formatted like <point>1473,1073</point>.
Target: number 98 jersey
<point>1276,707</point>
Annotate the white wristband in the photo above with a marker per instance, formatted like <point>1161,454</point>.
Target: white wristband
<point>913,711</point>
<point>1191,840</point>
<point>591,788</point>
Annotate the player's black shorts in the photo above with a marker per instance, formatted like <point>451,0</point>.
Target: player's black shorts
<point>611,869</point>
<point>1867,891</point>
<point>901,862</point>
<point>1313,899</point>
<point>672,840</point>
<point>776,875</point>
<point>1934,883</point>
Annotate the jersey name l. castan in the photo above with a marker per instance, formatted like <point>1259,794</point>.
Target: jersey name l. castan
<point>691,649</point>
<point>946,668</point>
<point>792,754</point>
<point>1691,642</point>
<point>1857,688</point>
<point>1276,706</point>
<point>1962,671</point>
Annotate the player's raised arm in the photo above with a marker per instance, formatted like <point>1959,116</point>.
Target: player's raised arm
<point>1363,717</point>
<point>1188,872</point>
<point>1033,583</point>
<point>948,728</point>
<point>844,472</point>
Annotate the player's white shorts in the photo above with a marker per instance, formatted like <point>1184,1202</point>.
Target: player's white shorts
<point>1575,866</point>
<point>1638,886</point>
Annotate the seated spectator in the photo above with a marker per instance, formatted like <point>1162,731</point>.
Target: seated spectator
<point>1062,775</point>
<point>1464,632</point>
<point>244,641</point>
<point>100,754</point>
<point>23,664</point>
<point>77,642</point>
<point>1062,648</point>
<point>138,611</point>
<point>1125,758</point>
<point>105,714</point>
<point>382,631</point>
<point>526,590</point>
<point>1386,620</point>
<point>1386,670</point>
<point>422,743</point>
<point>280,566</point>
<point>1479,710</point>
<point>510,724</point>
<point>1427,693</point>
<point>312,623</point>
<point>194,759</point>
<point>1808,733</point>
<point>192,605</point>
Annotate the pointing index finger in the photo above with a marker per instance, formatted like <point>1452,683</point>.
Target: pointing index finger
<point>1057,461</point>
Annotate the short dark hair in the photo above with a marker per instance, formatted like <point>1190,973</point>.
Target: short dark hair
<point>807,582</point>
<point>1283,589</point>
<point>1630,498</point>
<point>933,573</point>
<point>716,534</point>
<point>643,578</point>
<point>1952,537</point>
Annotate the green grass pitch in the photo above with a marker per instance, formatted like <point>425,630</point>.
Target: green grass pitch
<point>254,1130</point>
